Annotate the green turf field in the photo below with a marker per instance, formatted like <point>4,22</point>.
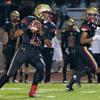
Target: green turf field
<point>51,91</point>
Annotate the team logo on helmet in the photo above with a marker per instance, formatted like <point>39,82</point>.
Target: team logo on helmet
<point>40,9</point>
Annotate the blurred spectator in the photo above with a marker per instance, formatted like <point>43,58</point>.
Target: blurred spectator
<point>9,6</point>
<point>26,8</point>
<point>57,56</point>
<point>3,41</point>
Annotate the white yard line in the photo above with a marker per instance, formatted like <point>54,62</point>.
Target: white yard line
<point>12,88</point>
<point>51,96</point>
<point>88,92</point>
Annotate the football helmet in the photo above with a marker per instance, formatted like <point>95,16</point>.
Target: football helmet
<point>15,14</point>
<point>40,9</point>
<point>70,22</point>
<point>92,14</point>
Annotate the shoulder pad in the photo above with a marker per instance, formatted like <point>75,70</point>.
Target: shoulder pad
<point>85,26</point>
<point>27,20</point>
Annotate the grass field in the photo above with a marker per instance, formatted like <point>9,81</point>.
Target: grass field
<point>50,91</point>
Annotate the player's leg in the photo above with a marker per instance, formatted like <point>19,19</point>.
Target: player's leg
<point>66,61</point>
<point>26,73</point>
<point>48,53</point>
<point>39,64</point>
<point>75,68</point>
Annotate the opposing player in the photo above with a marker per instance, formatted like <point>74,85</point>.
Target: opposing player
<point>88,28</point>
<point>32,38</point>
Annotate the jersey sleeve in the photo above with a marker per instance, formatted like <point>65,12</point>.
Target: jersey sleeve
<point>49,30</point>
<point>85,27</point>
<point>26,22</point>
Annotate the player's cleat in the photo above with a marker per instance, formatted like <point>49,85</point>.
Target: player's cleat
<point>15,81</point>
<point>78,84</point>
<point>69,88</point>
<point>32,92</point>
<point>64,81</point>
<point>26,81</point>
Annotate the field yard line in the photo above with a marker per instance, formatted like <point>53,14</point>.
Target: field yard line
<point>51,96</point>
<point>12,88</point>
<point>23,88</point>
<point>51,89</point>
<point>88,91</point>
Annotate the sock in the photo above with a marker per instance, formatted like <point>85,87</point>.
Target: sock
<point>26,76</point>
<point>21,76</point>
<point>14,77</point>
<point>64,75</point>
<point>89,78</point>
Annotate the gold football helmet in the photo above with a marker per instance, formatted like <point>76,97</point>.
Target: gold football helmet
<point>40,9</point>
<point>15,13</point>
<point>70,22</point>
<point>92,10</point>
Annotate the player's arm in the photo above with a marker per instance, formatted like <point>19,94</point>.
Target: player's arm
<point>18,33</point>
<point>84,39</point>
<point>48,43</point>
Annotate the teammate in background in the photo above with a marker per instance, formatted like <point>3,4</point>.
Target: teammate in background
<point>11,46</point>
<point>68,44</point>
<point>88,29</point>
<point>29,50</point>
<point>24,73</point>
<point>49,30</point>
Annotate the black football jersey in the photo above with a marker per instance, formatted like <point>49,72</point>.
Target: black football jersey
<point>70,38</point>
<point>49,29</point>
<point>10,29</point>
<point>90,28</point>
<point>29,37</point>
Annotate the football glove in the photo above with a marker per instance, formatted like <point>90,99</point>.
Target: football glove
<point>35,26</point>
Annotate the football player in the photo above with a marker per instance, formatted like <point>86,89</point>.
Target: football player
<point>49,32</point>
<point>69,43</point>
<point>32,36</point>
<point>11,45</point>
